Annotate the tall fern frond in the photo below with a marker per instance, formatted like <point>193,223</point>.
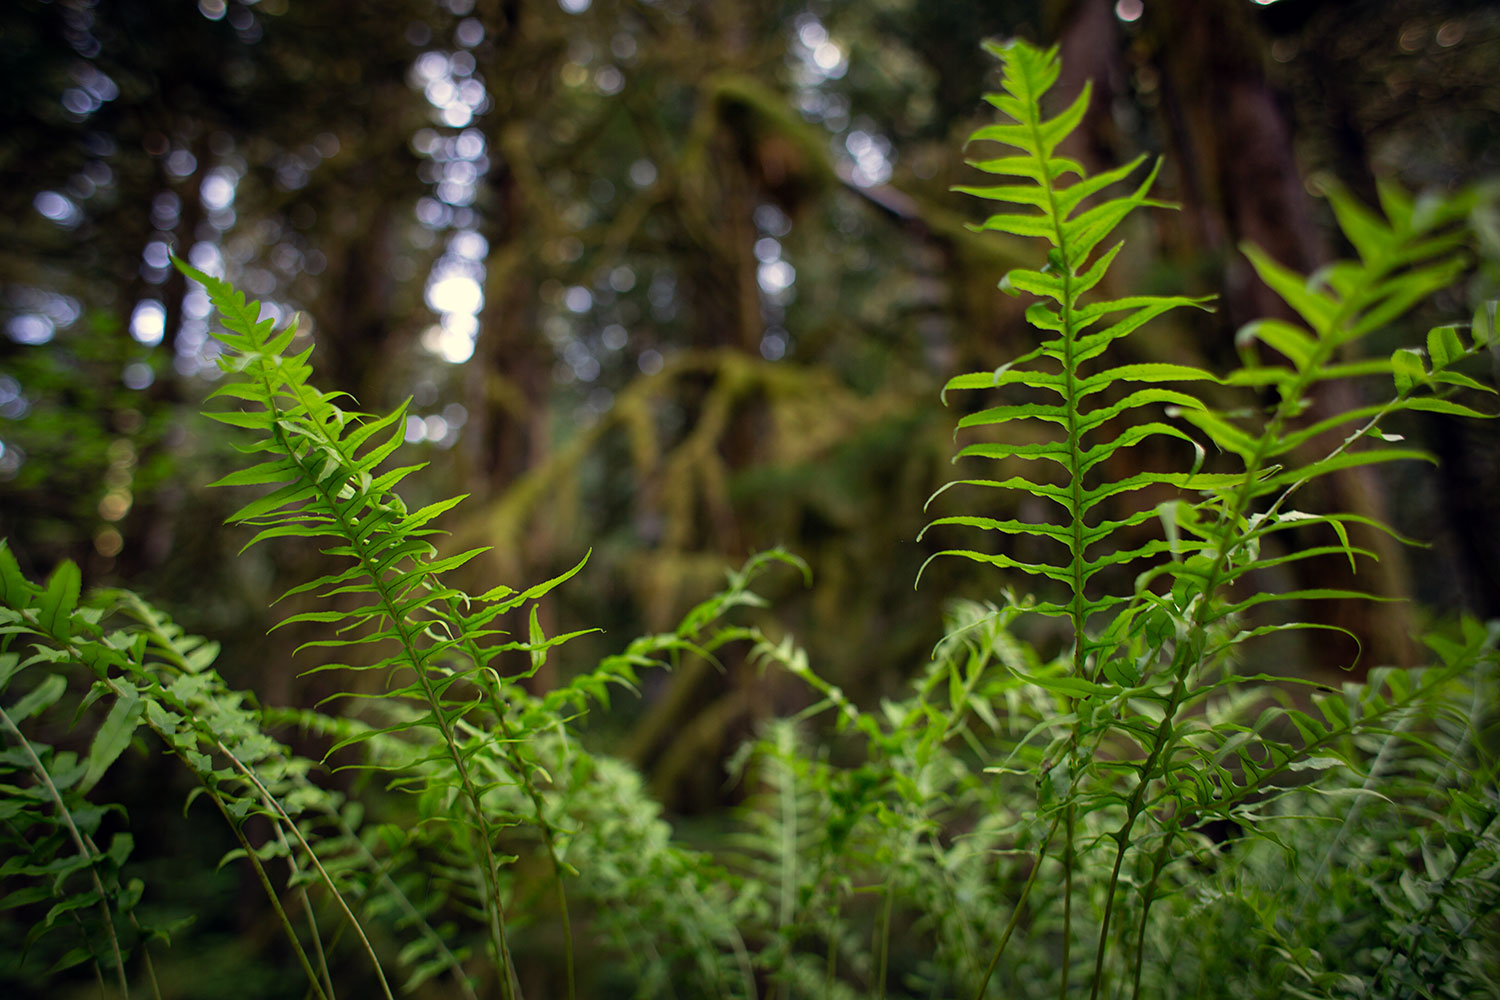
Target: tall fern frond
<point>439,644</point>
<point>1072,399</point>
<point>1077,415</point>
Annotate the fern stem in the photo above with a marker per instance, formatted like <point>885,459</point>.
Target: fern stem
<point>145,950</point>
<point>1148,896</point>
<point>312,857</point>
<point>518,767</point>
<point>413,914</point>
<point>1067,943</point>
<point>1015,917</point>
<point>1188,656</point>
<point>1077,606</point>
<point>549,840</point>
<point>66,815</point>
<point>168,647</point>
<point>1229,540</point>
<point>830,973</point>
<point>146,959</point>
<point>265,882</point>
<point>737,942</point>
<point>313,930</point>
<point>787,910</point>
<point>212,792</point>
<point>550,843</point>
<point>1123,841</point>
<point>445,727</point>
<point>885,940</point>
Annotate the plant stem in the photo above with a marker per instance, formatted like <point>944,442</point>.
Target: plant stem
<point>1187,657</point>
<point>1148,894</point>
<point>1067,944</point>
<point>885,941</point>
<point>549,840</point>
<point>312,857</point>
<point>1077,607</point>
<point>831,962</point>
<point>1015,917</point>
<point>174,657</point>
<point>787,910</point>
<point>40,770</point>
<point>512,757</point>
<point>414,915</point>
<point>271,894</point>
<point>307,907</point>
<point>213,794</point>
<point>146,959</point>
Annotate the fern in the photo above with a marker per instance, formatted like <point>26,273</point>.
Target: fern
<point>324,469</point>
<point>1086,433</point>
<point>537,780</point>
<point>1059,368</point>
<point>1015,824</point>
<point>1145,661</point>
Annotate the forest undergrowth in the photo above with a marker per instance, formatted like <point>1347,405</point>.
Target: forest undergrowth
<point>1156,810</point>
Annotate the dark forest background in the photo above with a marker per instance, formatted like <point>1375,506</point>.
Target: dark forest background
<point>674,280</point>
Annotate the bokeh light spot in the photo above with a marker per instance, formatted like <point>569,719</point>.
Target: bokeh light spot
<point>148,323</point>
<point>457,293</point>
<point>29,328</point>
<point>108,543</point>
<point>59,208</point>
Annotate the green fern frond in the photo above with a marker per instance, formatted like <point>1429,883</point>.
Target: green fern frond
<point>327,484</point>
<point>1403,259</point>
<point>1078,431</point>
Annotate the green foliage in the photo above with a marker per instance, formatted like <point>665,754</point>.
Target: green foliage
<point>50,827</point>
<point>1147,813</point>
<point>1059,368</point>
<point>1165,735</point>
